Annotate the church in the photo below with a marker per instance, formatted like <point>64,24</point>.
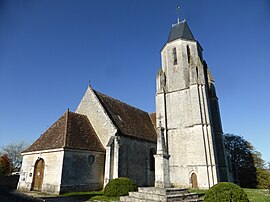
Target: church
<point>106,138</point>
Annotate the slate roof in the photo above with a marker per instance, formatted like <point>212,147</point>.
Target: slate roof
<point>129,120</point>
<point>71,130</point>
<point>180,30</point>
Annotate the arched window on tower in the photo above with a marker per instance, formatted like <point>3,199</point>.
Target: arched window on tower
<point>188,54</point>
<point>174,56</point>
<point>197,73</point>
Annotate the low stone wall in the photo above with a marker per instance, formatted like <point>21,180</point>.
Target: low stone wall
<point>9,182</point>
<point>80,188</point>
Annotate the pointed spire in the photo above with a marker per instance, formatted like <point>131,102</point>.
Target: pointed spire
<point>180,30</point>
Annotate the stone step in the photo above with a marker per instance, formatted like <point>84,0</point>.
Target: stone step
<point>146,194</point>
<point>162,191</point>
<point>156,197</point>
<point>172,191</point>
<point>132,199</point>
<point>186,197</point>
<point>149,196</point>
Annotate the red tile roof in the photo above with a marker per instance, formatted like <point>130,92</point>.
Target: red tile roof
<point>129,120</point>
<point>72,131</point>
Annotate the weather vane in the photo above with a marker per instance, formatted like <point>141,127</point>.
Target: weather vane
<point>178,12</point>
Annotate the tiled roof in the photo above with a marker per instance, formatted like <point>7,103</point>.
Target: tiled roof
<point>180,30</point>
<point>129,120</point>
<point>72,131</point>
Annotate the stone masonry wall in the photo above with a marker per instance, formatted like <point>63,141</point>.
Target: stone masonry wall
<point>183,107</point>
<point>82,171</point>
<point>134,161</point>
<point>52,171</point>
<point>91,107</point>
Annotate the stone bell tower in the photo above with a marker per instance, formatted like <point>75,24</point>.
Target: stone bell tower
<point>187,107</point>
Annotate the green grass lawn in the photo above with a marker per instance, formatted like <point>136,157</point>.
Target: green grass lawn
<point>258,195</point>
<point>94,195</point>
<point>254,195</point>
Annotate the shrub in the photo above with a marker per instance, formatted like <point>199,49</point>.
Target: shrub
<point>226,191</point>
<point>5,165</point>
<point>120,187</point>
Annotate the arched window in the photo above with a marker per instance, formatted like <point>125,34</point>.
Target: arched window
<point>174,56</point>
<point>152,152</point>
<point>188,54</point>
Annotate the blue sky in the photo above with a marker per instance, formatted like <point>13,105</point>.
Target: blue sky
<point>49,50</point>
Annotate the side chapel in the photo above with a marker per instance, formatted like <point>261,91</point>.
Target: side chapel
<point>106,138</point>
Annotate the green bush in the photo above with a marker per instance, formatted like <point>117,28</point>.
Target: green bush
<point>120,187</point>
<point>225,191</point>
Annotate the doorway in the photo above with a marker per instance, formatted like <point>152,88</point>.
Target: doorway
<point>38,175</point>
<point>194,181</point>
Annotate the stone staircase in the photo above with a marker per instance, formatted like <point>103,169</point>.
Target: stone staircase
<point>145,194</point>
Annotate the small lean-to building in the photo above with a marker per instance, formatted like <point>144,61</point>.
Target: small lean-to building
<point>68,156</point>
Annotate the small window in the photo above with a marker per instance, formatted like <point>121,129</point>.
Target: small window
<point>174,56</point>
<point>91,159</point>
<point>152,152</point>
<point>188,54</point>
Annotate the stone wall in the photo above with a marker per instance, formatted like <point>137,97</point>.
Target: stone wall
<point>183,108</point>
<point>223,170</point>
<point>134,161</point>
<point>82,171</point>
<point>52,171</point>
<point>91,107</point>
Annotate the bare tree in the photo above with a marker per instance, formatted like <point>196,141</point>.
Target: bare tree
<point>13,150</point>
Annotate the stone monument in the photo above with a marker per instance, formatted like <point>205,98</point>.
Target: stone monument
<point>162,174</point>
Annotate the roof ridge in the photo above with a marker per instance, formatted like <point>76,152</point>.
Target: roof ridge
<point>127,118</point>
<point>53,124</point>
<point>106,110</point>
<point>66,127</point>
<point>120,101</point>
<point>75,113</point>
